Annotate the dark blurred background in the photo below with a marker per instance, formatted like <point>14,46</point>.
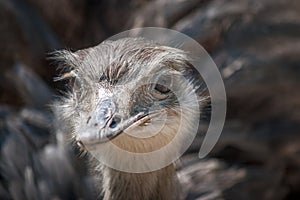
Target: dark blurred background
<point>255,44</point>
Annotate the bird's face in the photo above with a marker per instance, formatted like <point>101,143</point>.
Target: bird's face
<point>131,92</point>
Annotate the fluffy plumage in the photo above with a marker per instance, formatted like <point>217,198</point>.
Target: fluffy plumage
<point>127,86</point>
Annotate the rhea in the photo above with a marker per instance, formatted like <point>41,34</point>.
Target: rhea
<point>129,98</point>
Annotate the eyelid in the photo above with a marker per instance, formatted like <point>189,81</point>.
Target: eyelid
<point>158,95</point>
<point>161,88</point>
<point>163,80</point>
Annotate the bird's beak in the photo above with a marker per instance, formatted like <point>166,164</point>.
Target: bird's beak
<point>105,124</point>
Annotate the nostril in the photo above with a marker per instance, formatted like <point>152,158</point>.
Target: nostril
<point>88,120</point>
<point>114,122</point>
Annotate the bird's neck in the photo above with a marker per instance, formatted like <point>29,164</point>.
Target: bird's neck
<point>160,184</point>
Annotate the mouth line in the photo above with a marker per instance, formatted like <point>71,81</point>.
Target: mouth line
<point>106,135</point>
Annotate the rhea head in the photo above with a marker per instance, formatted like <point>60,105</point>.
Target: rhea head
<point>132,93</point>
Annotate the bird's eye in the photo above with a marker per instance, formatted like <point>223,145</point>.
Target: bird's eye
<point>161,89</point>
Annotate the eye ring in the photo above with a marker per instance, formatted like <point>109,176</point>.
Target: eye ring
<point>161,89</point>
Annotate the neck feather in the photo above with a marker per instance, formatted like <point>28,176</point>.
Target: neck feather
<point>159,185</point>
